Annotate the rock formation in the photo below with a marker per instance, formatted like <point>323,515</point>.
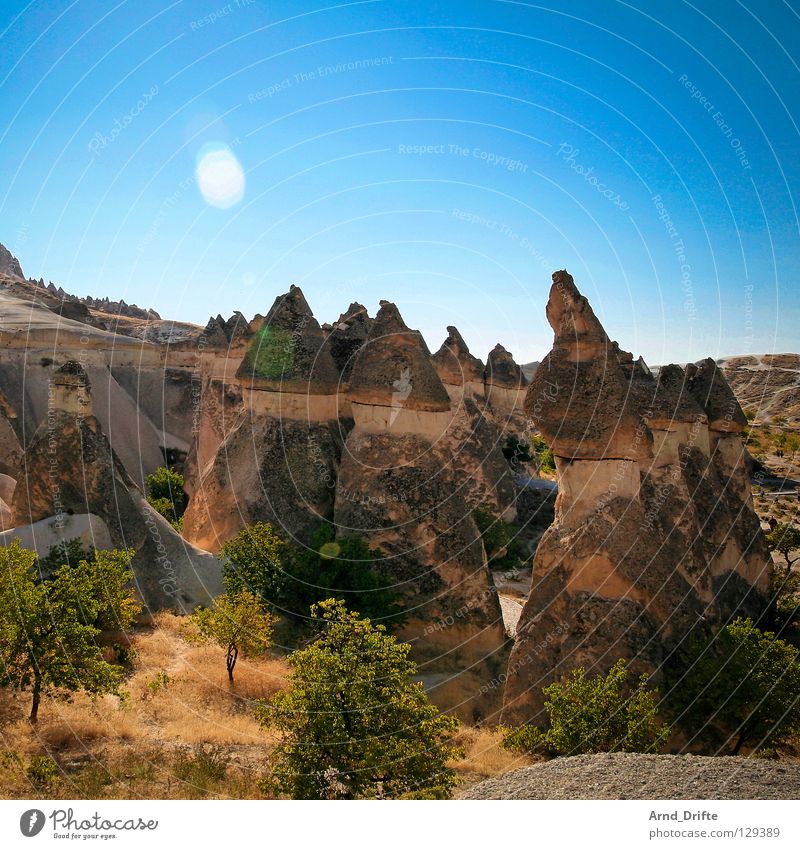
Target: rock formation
<point>504,382</point>
<point>654,538</point>
<point>69,468</point>
<point>347,336</point>
<point>474,435</point>
<point>397,486</point>
<point>9,264</point>
<point>278,461</point>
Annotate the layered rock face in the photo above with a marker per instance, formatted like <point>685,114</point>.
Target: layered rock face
<point>398,487</point>
<point>475,434</point>
<point>9,264</point>
<point>278,461</point>
<point>504,382</point>
<point>654,538</point>
<point>347,336</point>
<point>69,469</point>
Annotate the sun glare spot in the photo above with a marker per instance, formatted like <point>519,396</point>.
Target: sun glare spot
<point>220,176</point>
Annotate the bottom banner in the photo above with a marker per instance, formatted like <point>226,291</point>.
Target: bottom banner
<point>355,824</point>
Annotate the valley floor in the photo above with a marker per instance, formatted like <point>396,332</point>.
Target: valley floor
<point>181,733</point>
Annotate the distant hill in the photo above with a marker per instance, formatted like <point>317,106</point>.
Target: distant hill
<point>767,383</point>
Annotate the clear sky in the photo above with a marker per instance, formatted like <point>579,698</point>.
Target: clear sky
<point>198,157</point>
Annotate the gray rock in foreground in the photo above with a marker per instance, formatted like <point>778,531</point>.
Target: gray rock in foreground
<point>629,776</point>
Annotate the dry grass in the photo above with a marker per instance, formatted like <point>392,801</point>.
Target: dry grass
<point>179,709</point>
<point>484,758</point>
<point>181,732</point>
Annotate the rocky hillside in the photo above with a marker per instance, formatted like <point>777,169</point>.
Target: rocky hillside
<point>768,385</point>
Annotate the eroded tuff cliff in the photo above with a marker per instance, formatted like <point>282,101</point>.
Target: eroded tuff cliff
<point>397,486</point>
<point>654,538</point>
<point>70,469</point>
<point>277,461</point>
<point>475,434</point>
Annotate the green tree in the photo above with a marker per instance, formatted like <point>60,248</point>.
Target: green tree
<point>165,494</point>
<point>49,627</point>
<point>785,583</point>
<point>742,684</point>
<point>504,549</point>
<point>516,451</point>
<point>257,560</point>
<point>594,714</point>
<point>68,551</point>
<point>785,540</point>
<point>238,623</point>
<point>344,568</point>
<point>544,455</point>
<point>354,723</point>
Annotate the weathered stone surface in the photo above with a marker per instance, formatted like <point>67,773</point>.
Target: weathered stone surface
<point>580,397</point>
<point>69,468</point>
<point>502,370</point>
<point>266,469</point>
<point>9,264</point>
<point>288,354</point>
<point>454,363</point>
<point>654,537</point>
<point>393,368</point>
<point>400,493</point>
<point>346,337</point>
<point>710,389</point>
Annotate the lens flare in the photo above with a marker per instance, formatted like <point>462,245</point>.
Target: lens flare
<point>220,176</point>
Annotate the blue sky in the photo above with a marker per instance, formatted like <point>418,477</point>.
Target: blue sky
<point>446,156</point>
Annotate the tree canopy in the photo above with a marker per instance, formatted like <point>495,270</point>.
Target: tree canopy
<point>49,626</point>
<point>354,723</point>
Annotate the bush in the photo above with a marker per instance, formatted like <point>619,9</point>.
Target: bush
<point>343,568</point>
<point>205,765</point>
<point>516,451</point>
<point>741,686</point>
<point>504,549</point>
<point>165,494</point>
<point>41,771</point>
<point>69,552</point>
<point>355,724</point>
<point>597,714</point>
<point>292,577</point>
<point>544,455</point>
<point>256,560</point>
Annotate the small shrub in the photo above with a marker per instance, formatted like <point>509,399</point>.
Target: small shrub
<point>165,494</point>
<point>160,681</point>
<point>206,764</point>
<point>70,552</point>
<point>504,549</point>
<point>544,455</point>
<point>516,451</point>
<point>41,771</point>
<point>594,714</point>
